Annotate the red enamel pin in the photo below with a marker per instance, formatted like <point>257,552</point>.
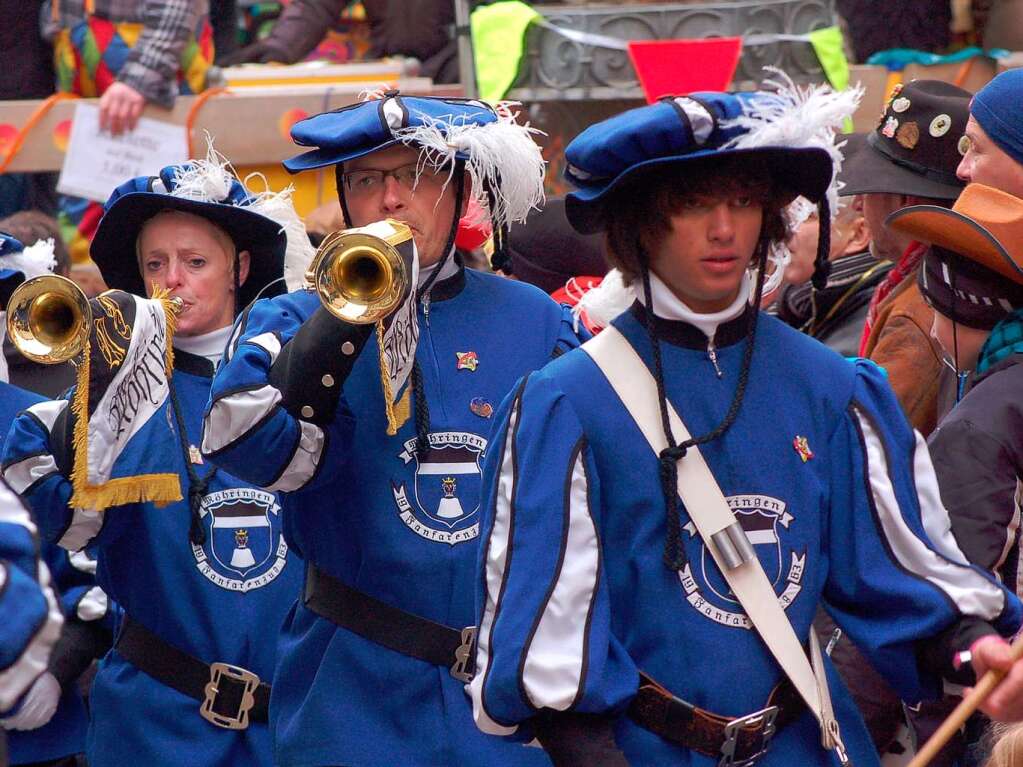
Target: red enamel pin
<point>467,361</point>
<point>802,447</point>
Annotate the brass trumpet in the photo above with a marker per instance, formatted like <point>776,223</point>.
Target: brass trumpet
<point>48,319</point>
<point>359,277</point>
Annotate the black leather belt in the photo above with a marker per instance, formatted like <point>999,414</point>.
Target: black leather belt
<point>390,626</point>
<point>733,741</point>
<point>231,696</point>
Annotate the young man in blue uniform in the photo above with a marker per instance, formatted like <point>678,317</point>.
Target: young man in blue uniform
<point>374,658</point>
<point>600,600</point>
<point>203,581</point>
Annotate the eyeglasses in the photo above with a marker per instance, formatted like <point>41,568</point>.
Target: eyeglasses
<point>365,183</point>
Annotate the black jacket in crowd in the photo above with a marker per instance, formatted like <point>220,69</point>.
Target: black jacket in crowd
<point>977,452</point>
<point>841,306</point>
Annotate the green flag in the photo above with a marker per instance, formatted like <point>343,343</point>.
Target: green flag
<point>827,44</point>
<point>498,39</point>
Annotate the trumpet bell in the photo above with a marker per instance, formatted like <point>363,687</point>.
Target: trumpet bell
<point>48,319</point>
<point>360,278</point>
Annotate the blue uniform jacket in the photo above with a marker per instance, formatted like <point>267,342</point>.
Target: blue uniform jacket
<point>31,614</point>
<point>64,734</point>
<point>222,601</point>
<point>832,487</point>
<point>364,508</point>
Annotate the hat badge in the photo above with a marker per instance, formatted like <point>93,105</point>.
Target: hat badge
<point>908,135</point>
<point>964,144</point>
<point>890,126</point>
<point>940,125</point>
<point>901,104</point>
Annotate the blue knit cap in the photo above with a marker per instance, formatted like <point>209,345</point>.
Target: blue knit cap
<point>996,108</point>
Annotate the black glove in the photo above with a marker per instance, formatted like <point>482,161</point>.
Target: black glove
<point>259,52</point>
<point>578,740</point>
<point>312,367</point>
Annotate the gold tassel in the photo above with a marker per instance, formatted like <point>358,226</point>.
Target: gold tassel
<point>170,313</point>
<point>80,444</point>
<point>160,489</point>
<point>397,415</point>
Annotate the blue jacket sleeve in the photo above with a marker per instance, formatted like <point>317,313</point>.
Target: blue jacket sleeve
<point>31,615</point>
<point>571,333</point>
<point>247,430</point>
<point>544,638</point>
<point>36,467</point>
<point>897,578</point>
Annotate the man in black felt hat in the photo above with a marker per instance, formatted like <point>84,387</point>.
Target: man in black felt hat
<point>910,158</point>
<point>835,314</point>
<point>548,252</point>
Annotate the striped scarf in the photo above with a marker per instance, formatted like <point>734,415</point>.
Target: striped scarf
<point>1006,339</point>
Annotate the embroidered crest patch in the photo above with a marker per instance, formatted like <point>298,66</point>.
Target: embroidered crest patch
<point>244,546</point>
<point>765,521</point>
<point>442,501</point>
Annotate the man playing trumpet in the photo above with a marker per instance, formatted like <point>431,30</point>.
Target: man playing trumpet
<point>382,503</point>
<point>195,556</point>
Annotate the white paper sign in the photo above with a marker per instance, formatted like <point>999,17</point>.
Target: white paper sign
<point>97,162</point>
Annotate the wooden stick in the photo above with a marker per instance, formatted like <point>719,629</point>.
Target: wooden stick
<point>962,712</point>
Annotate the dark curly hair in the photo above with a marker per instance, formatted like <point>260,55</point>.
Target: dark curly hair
<point>638,215</point>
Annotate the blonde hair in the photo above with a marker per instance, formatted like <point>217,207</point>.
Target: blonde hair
<point>1007,748</point>
<point>219,234</point>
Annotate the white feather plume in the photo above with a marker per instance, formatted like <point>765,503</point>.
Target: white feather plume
<point>798,116</point>
<point>280,208</point>
<point>606,301</point>
<point>502,155</point>
<point>35,260</point>
<point>206,180</point>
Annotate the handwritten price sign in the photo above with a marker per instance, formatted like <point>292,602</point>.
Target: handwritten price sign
<point>97,162</point>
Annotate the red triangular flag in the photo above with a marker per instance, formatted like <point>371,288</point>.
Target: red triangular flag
<point>677,67</point>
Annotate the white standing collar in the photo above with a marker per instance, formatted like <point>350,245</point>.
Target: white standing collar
<point>209,345</point>
<point>668,306</point>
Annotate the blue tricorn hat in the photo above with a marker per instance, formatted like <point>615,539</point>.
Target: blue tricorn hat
<point>10,279</point>
<point>203,188</point>
<point>500,156</point>
<point>19,263</point>
<point>680,130</point>
<point>358,129</point>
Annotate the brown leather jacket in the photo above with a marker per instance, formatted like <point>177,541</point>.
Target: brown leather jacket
<point>900,342</point>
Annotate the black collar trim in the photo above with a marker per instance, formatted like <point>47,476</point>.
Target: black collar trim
<point>679,333</point>
<point>192,364</point>
<point>450,287</point>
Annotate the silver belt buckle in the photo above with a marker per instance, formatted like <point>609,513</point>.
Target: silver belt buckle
<point>241,719</point>
<point>463,656</point>
<point>764,720</point>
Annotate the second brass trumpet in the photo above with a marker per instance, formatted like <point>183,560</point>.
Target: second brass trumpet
<point>48,319</point>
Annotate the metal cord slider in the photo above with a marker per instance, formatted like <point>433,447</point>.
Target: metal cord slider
<point>733,546</point>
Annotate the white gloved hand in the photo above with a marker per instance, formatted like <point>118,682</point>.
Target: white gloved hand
<point>39,705</point>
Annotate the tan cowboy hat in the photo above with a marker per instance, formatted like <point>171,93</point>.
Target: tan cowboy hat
<point>985,225</point>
